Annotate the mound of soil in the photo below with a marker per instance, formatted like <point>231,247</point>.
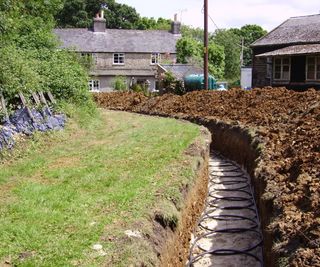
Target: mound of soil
<point>288,122</point>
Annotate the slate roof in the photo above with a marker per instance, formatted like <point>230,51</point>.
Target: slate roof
<point>116,40</point>
<point>181,70</point>
<point>295,30</point>
<point>294,50</point>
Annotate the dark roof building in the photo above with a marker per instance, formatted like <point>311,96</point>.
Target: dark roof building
<point>289,55</point>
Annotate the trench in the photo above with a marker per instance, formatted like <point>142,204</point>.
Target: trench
<point>228,231</point>
<point>243,147</point>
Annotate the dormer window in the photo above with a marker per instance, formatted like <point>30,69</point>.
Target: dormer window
<point>118,58</point>
<point>155,58</point>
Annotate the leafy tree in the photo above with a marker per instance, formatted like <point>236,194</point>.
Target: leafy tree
<point>79,13</point>
<point>216,57</point>
<point>29,50</point>
<point>190,50</point>
<point>231,44</point>
<point>187,48</point>
<point>145,23</point>
<point>195,33</point>
<point>249,33</point>
<point>74,14</point>
<point>120,16</point>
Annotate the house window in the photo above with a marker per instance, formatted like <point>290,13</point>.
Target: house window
<point>313,68</point>
<point>118,58</point>
<point>281,68</point>
<point>155,58</point>
<point>94,85</point>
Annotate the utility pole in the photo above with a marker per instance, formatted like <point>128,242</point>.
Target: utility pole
<point>241,55</point>
<point>206,42</point>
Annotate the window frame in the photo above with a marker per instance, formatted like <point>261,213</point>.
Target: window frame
<point>316,69</point>
<point>282,65</point>
<point>156,57</point>
<point>120,55</point>
<point>94,85</point>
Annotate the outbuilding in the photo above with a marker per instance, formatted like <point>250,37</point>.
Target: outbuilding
<point>289,55</point>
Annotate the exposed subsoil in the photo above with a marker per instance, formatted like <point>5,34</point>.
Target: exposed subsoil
<point>288,124</point>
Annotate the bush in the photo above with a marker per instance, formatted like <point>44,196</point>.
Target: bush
<point>137,88</point>
<point>120,83</point>
<point>27,71</point>
<point>17,72</point>
<point>172,85</point>
<point>29,55</point>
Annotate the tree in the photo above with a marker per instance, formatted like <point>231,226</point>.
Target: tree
<point>231,44</point>
<point>195,33</point>
<point>188,48</point>
<point>145,23</point>
<point>32,60</point>
<point>216,57</point>
<point>74,14</point>
<point>79,13</point>
<point>249,33</point>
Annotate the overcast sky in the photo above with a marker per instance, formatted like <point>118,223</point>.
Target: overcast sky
<point>227,13</point>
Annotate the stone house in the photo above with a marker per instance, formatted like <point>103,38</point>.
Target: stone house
<point>289,55</point>
<point>132,54</point>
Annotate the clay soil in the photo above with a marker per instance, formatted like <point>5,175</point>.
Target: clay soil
<point>288,124</point>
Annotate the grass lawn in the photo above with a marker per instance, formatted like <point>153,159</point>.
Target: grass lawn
<point>88,185</point>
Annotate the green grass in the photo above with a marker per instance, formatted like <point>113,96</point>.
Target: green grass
<point>87,185</point>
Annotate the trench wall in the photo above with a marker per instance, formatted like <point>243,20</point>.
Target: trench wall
<point>176,249</point>
<point>242,145</point>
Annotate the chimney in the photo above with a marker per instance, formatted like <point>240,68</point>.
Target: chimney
<point>99,22</point>
<point>175,25</point>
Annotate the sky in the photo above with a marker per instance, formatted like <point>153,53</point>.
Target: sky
<point>227,13</point>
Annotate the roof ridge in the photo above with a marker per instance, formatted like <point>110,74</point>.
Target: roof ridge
<point>312,15</point>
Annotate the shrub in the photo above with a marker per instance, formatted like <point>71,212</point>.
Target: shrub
<point>120,83</point>
<point>171,85</point>
<point>42,70</point>
<point>29,55</point>
<point>137,88</point>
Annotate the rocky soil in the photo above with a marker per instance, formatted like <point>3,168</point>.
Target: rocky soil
<point>288,123</point>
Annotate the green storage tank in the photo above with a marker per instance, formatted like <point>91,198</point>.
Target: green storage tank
<point>194,82</point>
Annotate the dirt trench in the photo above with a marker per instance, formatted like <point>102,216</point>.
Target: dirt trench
<point>239,144</point>
<point>243,146</point>
<point>274,134</point>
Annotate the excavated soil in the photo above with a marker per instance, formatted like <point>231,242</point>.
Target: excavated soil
<point>288,126</point>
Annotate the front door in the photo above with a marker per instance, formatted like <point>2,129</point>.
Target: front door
<point>298,69</point>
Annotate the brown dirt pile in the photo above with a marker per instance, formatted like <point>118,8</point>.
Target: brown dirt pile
<point>288,122</point>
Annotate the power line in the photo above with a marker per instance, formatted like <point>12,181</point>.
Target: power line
<point>202,11</point>
<point>217,27</point>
